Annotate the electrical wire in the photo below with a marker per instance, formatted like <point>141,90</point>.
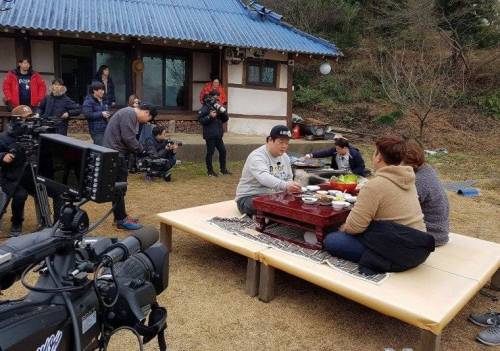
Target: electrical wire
<point>69,306</point>
<point>113,277</point>
<point>48,290</point>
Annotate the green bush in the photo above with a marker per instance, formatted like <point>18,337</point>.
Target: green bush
<point>389,118</point>
<point>307,97</point>
<point>334,89</point>
<point>490,104</point>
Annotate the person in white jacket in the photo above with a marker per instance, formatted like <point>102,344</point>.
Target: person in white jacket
<point>266,170</point>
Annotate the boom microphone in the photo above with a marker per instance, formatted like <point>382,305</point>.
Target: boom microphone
<point>140,240</point>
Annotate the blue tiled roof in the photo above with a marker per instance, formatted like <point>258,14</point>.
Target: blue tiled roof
<point>220,22</point>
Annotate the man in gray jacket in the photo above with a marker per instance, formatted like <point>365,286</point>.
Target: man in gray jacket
<point>267,169</point>
<point>120,135</point>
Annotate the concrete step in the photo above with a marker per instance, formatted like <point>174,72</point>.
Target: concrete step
<point>238,146</point>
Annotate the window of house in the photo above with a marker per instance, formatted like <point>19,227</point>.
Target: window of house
<point>164,81</point>
<point>261,73</point>
<point>78,65</point>
<point>118,64</point>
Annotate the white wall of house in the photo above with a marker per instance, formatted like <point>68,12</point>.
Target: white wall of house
<point>235,73</point>
<point>253,126</point>
<point>42,59</point>
<point>7,60</point>
<point>254,102</point>
<point>264,107</point>
<point>202,65</point>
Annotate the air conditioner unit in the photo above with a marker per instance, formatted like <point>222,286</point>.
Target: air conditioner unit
<point>254,53</point>
<point>234,55</point>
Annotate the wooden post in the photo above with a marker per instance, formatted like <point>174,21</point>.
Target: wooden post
<point>166,235</point>
<point>289,93</point>
<point>252,281</point>
<point>266,283</point>
<point>137,77</point>
<point>495,280</point>
<point>429,341</point>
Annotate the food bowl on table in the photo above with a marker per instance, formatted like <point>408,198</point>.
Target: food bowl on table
<point>312,187</point>
<point>340,205</point>
<point>351,199</point>
<point>309,199</point>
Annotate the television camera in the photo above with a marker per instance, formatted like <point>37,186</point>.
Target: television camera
<point>79,311</point>
<point>26,133</point>
<point>212,101</point>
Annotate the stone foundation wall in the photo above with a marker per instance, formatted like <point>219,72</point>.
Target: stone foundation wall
<point>79,126</point>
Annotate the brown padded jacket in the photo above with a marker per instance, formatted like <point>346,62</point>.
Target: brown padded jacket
<point>390,196</point>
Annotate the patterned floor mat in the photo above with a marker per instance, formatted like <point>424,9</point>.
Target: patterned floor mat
<point>245,227</point>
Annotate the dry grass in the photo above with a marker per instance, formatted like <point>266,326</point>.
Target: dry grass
<point>208,308</point>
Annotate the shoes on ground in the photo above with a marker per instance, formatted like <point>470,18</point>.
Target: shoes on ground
<point>486,319</point>
<point>16,230</point>
<point>130,218</point>
<point>490,336</point>
<point>226,172</point>
<point>212,174</point>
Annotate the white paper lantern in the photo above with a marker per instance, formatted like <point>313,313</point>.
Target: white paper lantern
<point>325,68</point>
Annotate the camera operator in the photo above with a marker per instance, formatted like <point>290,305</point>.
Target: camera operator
<point>212,116</point>
<point>14,176</point>
<point>120,135</point>
<point>58,104</point>
<point>159,146</point>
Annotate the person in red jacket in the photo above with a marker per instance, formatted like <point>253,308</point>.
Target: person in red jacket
<point>23,86</point>
<point>211,86</point>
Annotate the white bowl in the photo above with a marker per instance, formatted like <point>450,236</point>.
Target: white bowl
<point>334,192</point>
<point>352,199</point>
<point>339,205</point>
<point>312,187</point>
<point>309,199</point>
<point>322,192</point>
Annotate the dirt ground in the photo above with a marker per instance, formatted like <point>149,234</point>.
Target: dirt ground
<point>208,308</point>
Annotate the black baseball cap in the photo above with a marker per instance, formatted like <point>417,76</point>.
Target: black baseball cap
<point>146,106</point>
<point>280,131</point>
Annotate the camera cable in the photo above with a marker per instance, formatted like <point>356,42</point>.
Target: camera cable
<point>69,305</point>
<point>113,277</point>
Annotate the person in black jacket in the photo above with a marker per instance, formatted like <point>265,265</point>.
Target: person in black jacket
<point>212,120</point>
<point>104,77</point>
<point>159,146</point>
<point>58,104</point>
<point>344,157</point>
<point>14,174</point>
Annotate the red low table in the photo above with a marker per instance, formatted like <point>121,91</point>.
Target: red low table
<point>289,210</point>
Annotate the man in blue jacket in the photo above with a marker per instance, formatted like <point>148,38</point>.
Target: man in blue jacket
<point>94,109</point>
<point>344,157</point>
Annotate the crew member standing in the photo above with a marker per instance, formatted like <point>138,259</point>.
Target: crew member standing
<point>120,135</point>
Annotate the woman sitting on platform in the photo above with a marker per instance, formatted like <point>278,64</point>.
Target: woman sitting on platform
<point>431,194</point>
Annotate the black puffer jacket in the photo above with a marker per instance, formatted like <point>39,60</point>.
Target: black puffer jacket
<point>394,247</point>
<point>55,105</point>
<point>212,127</point>
<point>10,173</point>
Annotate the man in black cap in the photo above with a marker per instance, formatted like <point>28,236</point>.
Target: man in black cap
<point>267,169</point>
<point>120,135</point>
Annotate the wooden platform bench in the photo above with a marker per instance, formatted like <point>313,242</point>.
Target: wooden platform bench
<point>193,221</point>
<point>427,297</point>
